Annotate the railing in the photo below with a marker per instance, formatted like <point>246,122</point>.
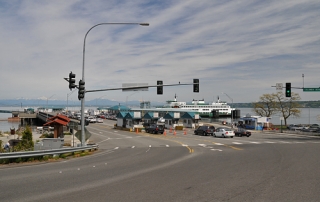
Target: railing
<point>11,155</point>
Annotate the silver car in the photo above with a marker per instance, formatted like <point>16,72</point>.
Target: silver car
<point>224,132</point>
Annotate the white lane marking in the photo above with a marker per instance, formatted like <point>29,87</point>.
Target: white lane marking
<point>115,131</point>
<point>128,137</point>
<point>216,149</point>
<point>167,145</point>
<point>237,143</point>
<point>184,145</point>
<point>202,145</point>
<point>149,145</point>
<point>218,144</point>
<point>133,147</point>
<point>255,142</point>
<point>269,142</point>
<point>298,142</point>
<point>284,142</point>
<point>116,148</point>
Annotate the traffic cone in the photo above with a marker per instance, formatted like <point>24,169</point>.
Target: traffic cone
<point>164,133</point>
<point>185,131</point>
<point>170,130</point>
<point>137,131</point>
<point>174,132</point>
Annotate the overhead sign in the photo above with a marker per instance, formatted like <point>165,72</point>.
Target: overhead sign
<point>311,89</point>
<point>135,86</point>
<point>279,86</point>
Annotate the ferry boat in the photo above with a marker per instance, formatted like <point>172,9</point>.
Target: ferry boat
<point>204,109</point>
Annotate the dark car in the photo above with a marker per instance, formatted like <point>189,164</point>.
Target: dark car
<point>155,129</point>
<point>242,132</point>
<point>204,130</point>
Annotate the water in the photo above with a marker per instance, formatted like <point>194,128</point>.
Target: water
<point>307,116</point>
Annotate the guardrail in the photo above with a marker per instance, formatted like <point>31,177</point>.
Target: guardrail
<point>11,155</point>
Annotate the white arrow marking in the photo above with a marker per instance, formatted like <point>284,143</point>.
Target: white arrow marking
<point>216,149</point>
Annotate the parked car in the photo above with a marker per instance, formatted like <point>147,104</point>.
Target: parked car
<point>155,129</point>
<point>242,132</point>
<point>204,130</point>
<point>311,128</point>
<point>99,120</point>
<point>224,132</point>
<point>295,127</point>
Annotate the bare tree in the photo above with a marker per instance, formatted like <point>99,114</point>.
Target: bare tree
<point>266,106</point>
<point>288,106</point>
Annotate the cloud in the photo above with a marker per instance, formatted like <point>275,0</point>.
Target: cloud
<point>241,48</point>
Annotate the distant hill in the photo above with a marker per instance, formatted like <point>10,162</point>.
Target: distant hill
<point>107,103</point>
<point>304,104</point>
<point>43,103</point>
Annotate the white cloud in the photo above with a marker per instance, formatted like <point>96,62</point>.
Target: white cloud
<point>241,48</point>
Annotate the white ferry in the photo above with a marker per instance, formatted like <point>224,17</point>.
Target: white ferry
<point>204,109</point>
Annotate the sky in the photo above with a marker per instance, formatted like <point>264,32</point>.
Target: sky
<point>237,49</point>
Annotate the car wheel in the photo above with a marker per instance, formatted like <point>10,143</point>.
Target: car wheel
<point>223,136</point>
<point>240,135</point>
<point>214,135</point>
<point>248,135</point>
<point>231,136</point>
<point>195,133</point>
<point>205,134</point>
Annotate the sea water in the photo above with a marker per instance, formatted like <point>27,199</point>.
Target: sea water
<point>307,116</point>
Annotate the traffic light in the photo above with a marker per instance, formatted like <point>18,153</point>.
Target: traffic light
<point>288,89</point>
<point>81,90</point>
<point>196,85</point>
<point>159,88</point>
<point>72,81</point>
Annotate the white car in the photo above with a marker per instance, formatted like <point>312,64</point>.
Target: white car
<point>224,132</point>
<point>99,120</point>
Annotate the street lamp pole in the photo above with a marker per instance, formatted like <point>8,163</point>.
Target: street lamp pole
<point>231,108</point>
<point>47,105</point>
<point>83,60</point>
<point>68,94</point>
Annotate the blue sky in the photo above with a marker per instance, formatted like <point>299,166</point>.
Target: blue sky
<point>240,48</point>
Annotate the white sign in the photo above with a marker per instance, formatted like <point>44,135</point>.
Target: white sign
<point>279,86</point>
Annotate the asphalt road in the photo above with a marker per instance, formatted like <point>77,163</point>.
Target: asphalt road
<point>145,167</point>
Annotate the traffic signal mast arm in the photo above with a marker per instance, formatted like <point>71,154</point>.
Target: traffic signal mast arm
<point>138,87</point>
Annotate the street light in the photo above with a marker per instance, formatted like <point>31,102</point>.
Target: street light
<point>231,106</point>
<point>68,94</point>
<point>83,59</point>
<point>47,104</point>
<point>129,96</point>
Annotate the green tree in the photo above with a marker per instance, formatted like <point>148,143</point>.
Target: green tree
<point>26,140</point>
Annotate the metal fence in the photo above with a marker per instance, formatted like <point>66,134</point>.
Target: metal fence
<point>11,155</point>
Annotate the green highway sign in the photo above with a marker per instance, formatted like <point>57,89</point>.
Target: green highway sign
<point>311,89</point>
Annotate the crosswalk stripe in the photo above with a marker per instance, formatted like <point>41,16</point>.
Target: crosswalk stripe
<point>237,143</point>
